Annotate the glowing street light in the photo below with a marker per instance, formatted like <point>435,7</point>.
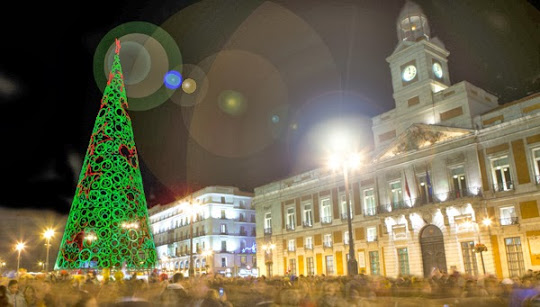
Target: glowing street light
<point>48,234</point>
<point>345,160</point>
<point>191,208</point>
<point>19,247</point>
<point>42,265</point>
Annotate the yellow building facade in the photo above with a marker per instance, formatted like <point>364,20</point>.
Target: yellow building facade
<point>450,173</point>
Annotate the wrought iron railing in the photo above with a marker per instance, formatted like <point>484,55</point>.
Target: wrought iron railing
<point>268,231</point>
<point>289,227</point>
<point>307,224</point>
<point>504,186</point>
<point>326,220</point>
<point>505,221</point>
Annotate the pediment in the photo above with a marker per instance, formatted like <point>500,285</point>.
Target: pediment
<point>402,45</point>
<point>419,136</point>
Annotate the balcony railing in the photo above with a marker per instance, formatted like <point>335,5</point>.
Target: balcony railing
<point>505,221</point>
<point>372,239</point>
<point>371,211</point>
<point>344,216</point>
<point>326,220</point>
<point>501,187</point>
<point>291,249</point>
<point>308,246</point>
<point>289,227</point>
<point>327,244</point>
<point>267,231</point>
<point>307,224</point>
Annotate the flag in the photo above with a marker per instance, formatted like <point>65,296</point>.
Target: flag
<point>428,182</point>
<point>407,187</point>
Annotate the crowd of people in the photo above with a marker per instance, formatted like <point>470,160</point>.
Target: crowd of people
<point>441,289</point>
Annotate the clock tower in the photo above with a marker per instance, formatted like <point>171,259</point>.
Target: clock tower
<point>418,65</point>
<point>423,93</point>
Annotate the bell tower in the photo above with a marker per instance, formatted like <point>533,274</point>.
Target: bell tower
<point>418,65</point>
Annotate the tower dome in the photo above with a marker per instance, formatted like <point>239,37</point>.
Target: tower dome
<point>412,24</point>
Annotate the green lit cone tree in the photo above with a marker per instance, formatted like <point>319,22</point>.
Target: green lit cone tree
<point>108,224</point>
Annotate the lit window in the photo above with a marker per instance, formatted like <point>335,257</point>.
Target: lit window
<point>369,202</point>
<point>508,216</point>
<point>502,179</point>
<point>371,234</point>
<point>326,211</point>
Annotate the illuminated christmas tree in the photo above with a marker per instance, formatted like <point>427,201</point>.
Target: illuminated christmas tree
<point>108,223</point>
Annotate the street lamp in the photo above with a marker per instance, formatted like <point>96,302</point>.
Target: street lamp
<point>42,265</point>
<point>191,209</point>
<point>19,247</point>
<point>268,248</point>
<point>347,162</point>
<point>48,234</point>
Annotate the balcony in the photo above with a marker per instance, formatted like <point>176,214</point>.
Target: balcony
<point>372,239</point>
<point>505,186</point>
<point>308,246</point>
<point>371,211</point>
<point>345,216</point>
<point>291,249</point>
<point>327,245</point>
<point>307,224</point>
<point>506,221</point>
<point>268,231</point>
<point>326,220</point>
<point>400,204</point>
<point>289,227</point>
<point>223,232</point>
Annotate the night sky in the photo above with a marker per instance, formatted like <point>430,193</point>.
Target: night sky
<point>294,68</point>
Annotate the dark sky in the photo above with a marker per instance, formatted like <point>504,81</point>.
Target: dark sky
<point>313,63</point>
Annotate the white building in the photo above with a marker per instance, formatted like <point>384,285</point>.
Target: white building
<point>223,232</point>
<point>450,169</point>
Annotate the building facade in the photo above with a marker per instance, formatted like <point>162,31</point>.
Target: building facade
<point>452,182</point>
<point>222,234</point>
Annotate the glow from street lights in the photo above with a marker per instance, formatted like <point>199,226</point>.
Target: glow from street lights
<point>20,246</point>
<point>486,221</point>
<point>48,234</point>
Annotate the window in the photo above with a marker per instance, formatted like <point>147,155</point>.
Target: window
<point>242,217</point>
<point>243,231</point>
<point>369,202</point>
<point>459,182</point>
<point>344,207</point>
<point>396,195</point>
<point>223,262</point>
<point>310,266</point>
<point>403,261</point>
<point>514,255</point>
<point>309,243</point>
<point>502,180</point>
<point>223,246</point>
<point>329,265</point>
<point>292,266</point>
<point>326,211</point>
<point>469,258</point>
<point>346,238</point>
<point>223,216</point>
<point>223,229</point>
<point>308,216</point>
<point>425,196</point>
<point>374,263</point>
<point>508,216</point>
<point>327,240</point>
<point>268,223</point>
<point>536,157</point>
<point>371,234</point>
<point>290,218</point>
<point>291,245</point>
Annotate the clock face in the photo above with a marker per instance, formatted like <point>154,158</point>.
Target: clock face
<point>437,70</point>
<point>408,73</point>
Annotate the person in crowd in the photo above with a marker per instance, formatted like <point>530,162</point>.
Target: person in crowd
<point>15,297</point>
<point>174,293</point>
<point>30,297</point>
<point>3,297</point>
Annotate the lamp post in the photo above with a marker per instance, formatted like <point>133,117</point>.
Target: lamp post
<point>42,265</point>
<point>481,248</point>
<point>191,209</point>
<point>48,234</point>
<point>347,162</point>
<point>19,247</point>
